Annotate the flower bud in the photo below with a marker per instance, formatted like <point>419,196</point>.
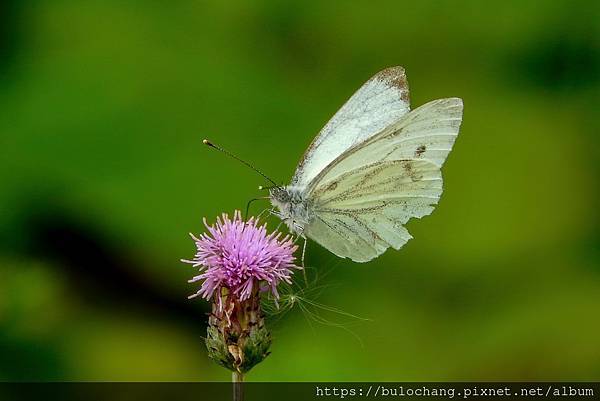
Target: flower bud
<point>237,338</point>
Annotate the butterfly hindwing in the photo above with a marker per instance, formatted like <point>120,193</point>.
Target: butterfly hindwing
<point>362,213</point>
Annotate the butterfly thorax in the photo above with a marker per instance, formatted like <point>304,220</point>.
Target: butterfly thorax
<point>294,208</point>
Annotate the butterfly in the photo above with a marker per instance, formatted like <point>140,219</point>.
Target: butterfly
<point>374,165</point>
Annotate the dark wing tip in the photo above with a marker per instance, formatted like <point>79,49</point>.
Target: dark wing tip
<point>395,76</point>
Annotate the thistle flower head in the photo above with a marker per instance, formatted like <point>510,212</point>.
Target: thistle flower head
<point>241,257</point>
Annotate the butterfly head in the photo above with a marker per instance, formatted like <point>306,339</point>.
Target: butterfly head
<point>294,208</point>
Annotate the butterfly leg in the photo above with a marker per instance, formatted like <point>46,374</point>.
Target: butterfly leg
<point>273,212</point>
<point>303,255</point>
<point>262,212</point>
<point>298,237</point>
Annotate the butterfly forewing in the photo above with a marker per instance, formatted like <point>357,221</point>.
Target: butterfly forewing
<point>426,133</point>
<point>380,102</point>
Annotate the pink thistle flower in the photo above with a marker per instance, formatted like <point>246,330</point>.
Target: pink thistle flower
<point>241,257</point>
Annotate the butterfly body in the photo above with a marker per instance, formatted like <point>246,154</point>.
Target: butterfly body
<point>375,165</point>
<point>294,208</point>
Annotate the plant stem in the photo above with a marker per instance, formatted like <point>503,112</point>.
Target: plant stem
<point>237,379</point>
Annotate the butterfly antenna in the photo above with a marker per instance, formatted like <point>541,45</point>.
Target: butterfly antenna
<point>262,187</point>
<point>228,153</point>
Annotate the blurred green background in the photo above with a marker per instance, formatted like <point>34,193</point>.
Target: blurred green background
<point>103,105</point>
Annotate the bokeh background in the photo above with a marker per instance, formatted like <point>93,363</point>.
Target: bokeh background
<point>103,105</point>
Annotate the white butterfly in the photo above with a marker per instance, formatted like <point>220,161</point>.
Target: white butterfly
<point>374,165</point>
